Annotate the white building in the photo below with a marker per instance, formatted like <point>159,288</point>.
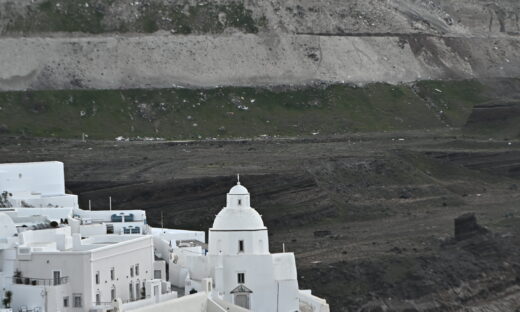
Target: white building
<point>40,184</point>
<point>57,257</point>
<point>239,262</point>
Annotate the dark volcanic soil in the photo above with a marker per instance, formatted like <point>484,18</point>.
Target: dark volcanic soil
<point>369,217</point>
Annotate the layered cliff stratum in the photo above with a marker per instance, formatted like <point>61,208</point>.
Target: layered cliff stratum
<point>55,44</point>
<point>362,128</point>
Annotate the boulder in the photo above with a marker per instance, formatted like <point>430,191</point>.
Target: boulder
<point>466,226</point>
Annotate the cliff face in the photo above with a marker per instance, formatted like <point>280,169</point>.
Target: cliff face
<point>121,44</point>
<point>248,60</point>
<point>471,17</point>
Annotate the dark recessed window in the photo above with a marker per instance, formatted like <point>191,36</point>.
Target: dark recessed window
<point>240,246</point>
<point>77,300</point>
<point>241,277</point>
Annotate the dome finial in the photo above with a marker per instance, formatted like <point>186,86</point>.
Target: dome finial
<point>238,178</point>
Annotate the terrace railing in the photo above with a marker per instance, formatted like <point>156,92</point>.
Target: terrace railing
<point>21,280</point>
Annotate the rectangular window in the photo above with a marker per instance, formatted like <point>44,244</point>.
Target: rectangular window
<point>98,299</point>
<point>65,302</point>
<point>241,277</point>
<point>157,274</point>
<point>77,300</point>
<point>131,290</point>
<point>57,277</point>
<point>113,293</point>
<point>240,246</point>
<point>112,274</point>
<point>97,277</point>
<point>137,292</point>
<point>132,271</point>
<point>137,269</point>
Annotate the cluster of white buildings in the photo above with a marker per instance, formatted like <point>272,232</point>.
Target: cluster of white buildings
<point>55,256</point>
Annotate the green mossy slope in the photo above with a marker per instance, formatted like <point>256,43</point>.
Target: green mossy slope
<point>237,112</point>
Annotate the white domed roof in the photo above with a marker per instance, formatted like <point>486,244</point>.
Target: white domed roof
<point>238,214</point>
<point>238,219</point>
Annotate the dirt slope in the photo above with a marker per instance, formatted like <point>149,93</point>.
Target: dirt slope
<point>369,217</point>
<point>157,43</point>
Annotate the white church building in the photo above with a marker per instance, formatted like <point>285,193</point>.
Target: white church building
<point>55,256</point>
<point>243,270</point>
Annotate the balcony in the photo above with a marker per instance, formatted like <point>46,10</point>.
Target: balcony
<point>20,280</point>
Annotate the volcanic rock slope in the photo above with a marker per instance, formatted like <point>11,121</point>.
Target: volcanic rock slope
<point>52,44</point>
<point>369,217</point>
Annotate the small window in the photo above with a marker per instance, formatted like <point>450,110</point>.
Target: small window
<point>57,277</point>
<point>98,299</point>
<point>157,274</point>
<point>65,302</point>
<point>137,269</point>
<point>131,290</point>
<point>97,277</point>
<point>112,273</point>
<point>239,202</point>
<point>132,271</point>
<point>113,293</point>
<point>77,301</point>
<point>240,246</point>
<point>241,277</point>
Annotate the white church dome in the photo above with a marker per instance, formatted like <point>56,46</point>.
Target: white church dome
<point>238,214</point>
<point>238,219</point>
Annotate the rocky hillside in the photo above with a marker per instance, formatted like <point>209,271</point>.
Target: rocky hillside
<point>333,17</point>
<point>368,216</point>
<point>361,127</point>
<point>163,43</point>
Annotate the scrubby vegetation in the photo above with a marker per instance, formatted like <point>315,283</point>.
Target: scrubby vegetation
<point>237,112</point>
<point>100,16</point>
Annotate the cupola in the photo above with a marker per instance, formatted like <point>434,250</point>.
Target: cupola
<point>238,214</point>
